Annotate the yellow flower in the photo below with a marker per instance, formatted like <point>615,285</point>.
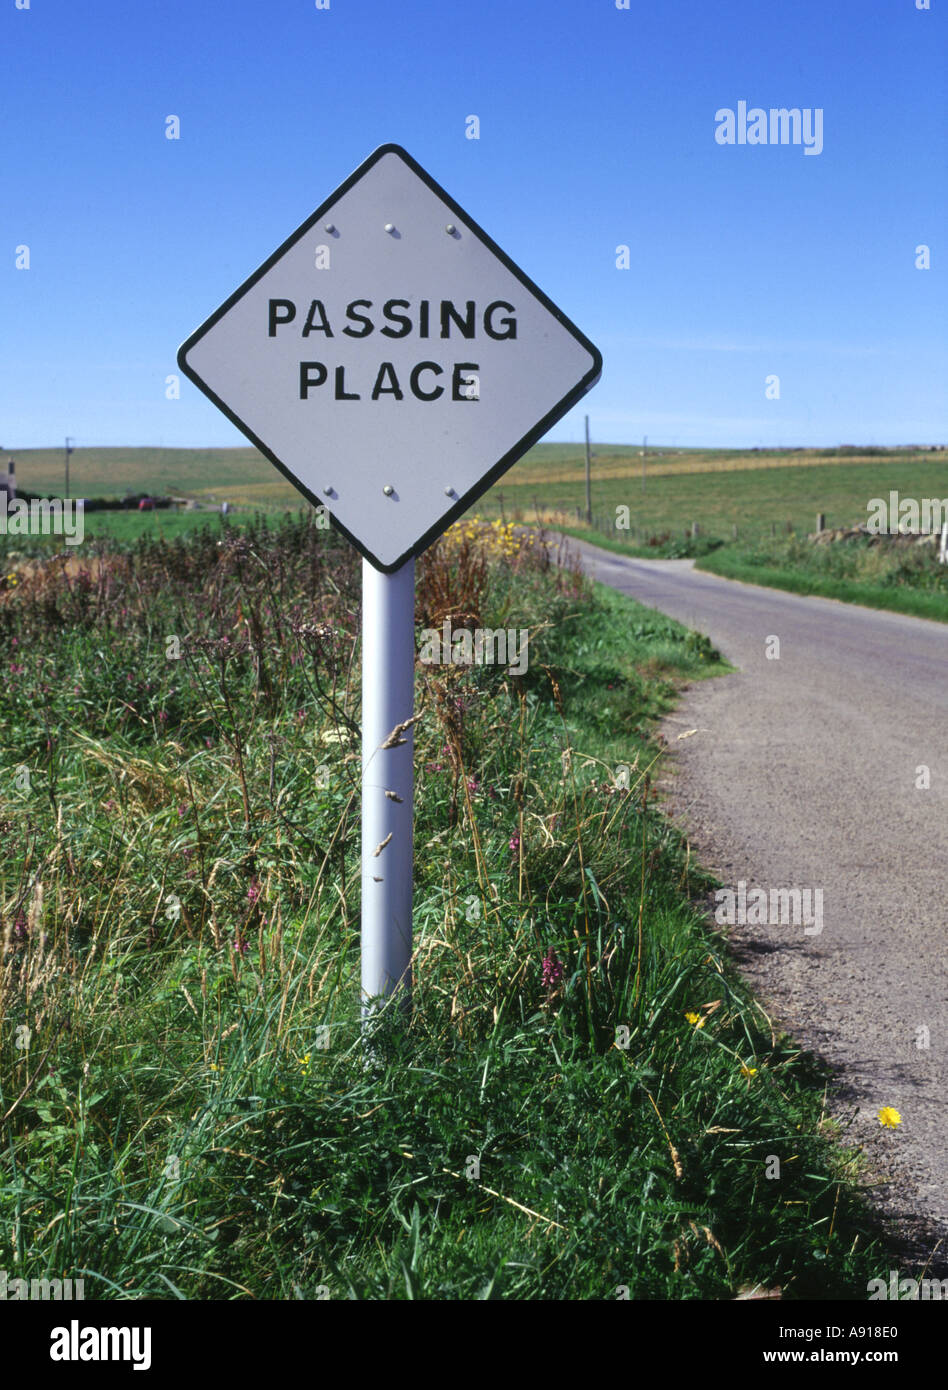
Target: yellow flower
<point>748,1071</point>
<point>215,1067</point>
<point>696,1019</point>
<point>888,1117</point>
<point>304,1064</point>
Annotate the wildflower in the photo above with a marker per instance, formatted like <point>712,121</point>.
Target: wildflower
<point>183,809</point>
<point>473,784</point>
<point>515,843</point>
<point>215,1067</point>
<point>304,1064</point>
<point>888,1117</point>
<point>253,892</point>
<point>748,1071</point>
<point>552,969</point>
<point>696,1019</point>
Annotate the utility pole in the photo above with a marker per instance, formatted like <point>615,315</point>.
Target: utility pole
<point>68,452</point>
<point>644,451</point>
<point>589,510</point>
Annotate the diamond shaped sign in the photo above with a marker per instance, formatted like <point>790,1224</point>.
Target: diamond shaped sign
<point>390,360</point>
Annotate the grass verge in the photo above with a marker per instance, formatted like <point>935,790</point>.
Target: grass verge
<point>852,572</point>
<point>586,1103</point>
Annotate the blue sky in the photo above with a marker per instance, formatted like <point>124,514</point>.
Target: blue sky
<point>597,129</point>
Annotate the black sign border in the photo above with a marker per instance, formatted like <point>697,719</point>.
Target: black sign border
<point>500,467</point>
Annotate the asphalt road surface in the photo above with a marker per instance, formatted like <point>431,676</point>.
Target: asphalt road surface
<point>806,771</point>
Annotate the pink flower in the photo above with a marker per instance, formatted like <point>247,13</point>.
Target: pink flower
<point>515,843</point>
<point>552,969</point>
<point>253,892</point>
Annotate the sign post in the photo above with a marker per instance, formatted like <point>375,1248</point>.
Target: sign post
<point>392,362</point>
<point>388,686</point>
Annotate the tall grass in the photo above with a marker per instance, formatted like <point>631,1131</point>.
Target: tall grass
<point>898,576</point>
<point>187,1108</point>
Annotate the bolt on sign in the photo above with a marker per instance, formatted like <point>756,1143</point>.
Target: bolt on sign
<point>390,359</point>
<point>392,362</point>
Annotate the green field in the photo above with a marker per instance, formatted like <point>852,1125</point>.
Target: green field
<point>752,501</point>
<point>756,494</point>
<point>758,491</point>
<point>211,474</point>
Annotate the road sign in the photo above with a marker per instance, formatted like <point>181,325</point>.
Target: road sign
<point>392,362</point>
<point>390,359</point>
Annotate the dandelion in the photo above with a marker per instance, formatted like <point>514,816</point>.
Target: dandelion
<point>696,1019</point>
<point>889,1117</point>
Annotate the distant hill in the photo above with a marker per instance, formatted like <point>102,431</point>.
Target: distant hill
<point>243,475</point>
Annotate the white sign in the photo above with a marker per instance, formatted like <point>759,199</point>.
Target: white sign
<point>390,359</point>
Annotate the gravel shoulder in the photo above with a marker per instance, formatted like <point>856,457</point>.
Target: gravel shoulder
<point>804,773</point>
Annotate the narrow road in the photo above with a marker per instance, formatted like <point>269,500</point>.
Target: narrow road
<point>808,771</point>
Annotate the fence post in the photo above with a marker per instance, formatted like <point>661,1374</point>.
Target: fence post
<point>820,522</point>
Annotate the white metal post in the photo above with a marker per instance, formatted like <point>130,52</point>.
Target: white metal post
<point>388,674</point>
